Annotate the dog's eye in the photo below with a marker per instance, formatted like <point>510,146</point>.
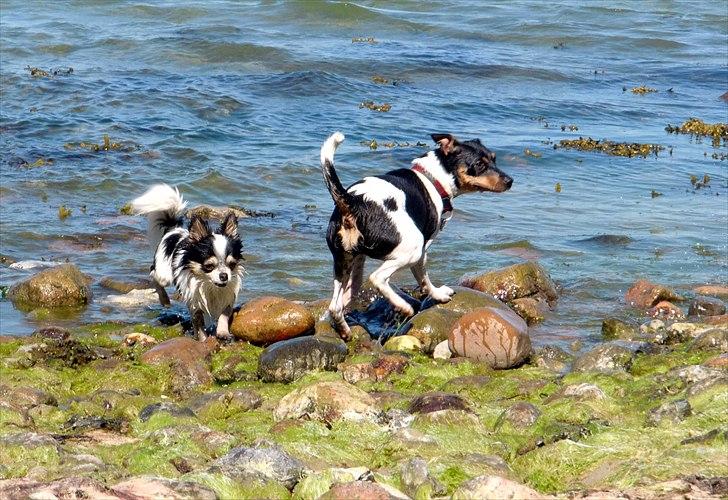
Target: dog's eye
<point>232,263</point>
<point>208,267</point>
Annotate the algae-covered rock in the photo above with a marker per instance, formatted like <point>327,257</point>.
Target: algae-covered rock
<point>232,400</point>
<point>328,402</point>
<point>362,490</point>
<point>616,329</point>
<point>674,411</point>
<point>716,338</point>
<point>644,294</point>
<point>465,300</point>
<point>160,487</point>
<point>552,358</point>
<point>583,391</point>
<point>288,360</point>
<point>417,480</point>
<point>24,398</point>
<point>69,352</point>
<point>706,306</point>
<point>188,358</point>
<point>266,320</point>
<point>514,282</point>
<point>60,286</point>
<point>531,309</point>
<point>498,337</point>
<point>609,357</point>
<point>316,484</point>
<point>403,343</point>
<point>436,401</point>
<point>520,415</point>
<point>432,326</point>
<point>494,488</point>
<point>166,407</point>
<point>271,463</point>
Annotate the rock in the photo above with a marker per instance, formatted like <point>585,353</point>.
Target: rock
<point>328,402</point>
<point>362,490</point>
<point>552,358</point>
<point>124,286</point>
<point>86,422</point>
<point>644,294</point>
<point>494,488</point>
<point>436,401</point>
<point>66,488</point>
<point>532,310</point>
<point>712,339</point>
<point>616,329</point>
<point>473,383</point>
<point>412,437</point>
<point>60,286</point>
<point>288,360</point>
<point>442,350</point>
<point>417,481</point>
<point>68,352</point>
<point>266,320</point>
<point>233,400</point>
<point>170,408</point>
<point>520,415</point>
<point>721,320</point>
<point>159,487</point>
<point>673,411</point>
<point>396,418</point>
<point>465,300</point>
<point>706,306</point>
<point>720,362</point>
<point>489,462</point>
<point>316,484</point>
<point>379,369</point>
<point>583,391</point>
<point>142,339</point>
<point>432,326</point>
<point>652,326</point>
<point>451,418</point>
<point>498,337</point>
<point>132,299</point>
<point>189,360</point>
<point>403,343</point>
<point>607,358</point>
<point>695,373</point>
<point>270,463</point>
<point>704,385</point>
<point>665,310</point>
<point>514,282</point>
<point>24,398</point>
<point>28,440</point>
<point>53,333</point>
<point>712,290</point>
<point>684,331</point>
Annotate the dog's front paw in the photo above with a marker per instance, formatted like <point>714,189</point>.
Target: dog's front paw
<point>405,310</point>
<point>442,294</point>
<point>223,334</point>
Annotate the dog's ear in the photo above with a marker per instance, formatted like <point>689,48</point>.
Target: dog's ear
<point>446,142</point>
<point>229,226</point>
<point>199,229</point>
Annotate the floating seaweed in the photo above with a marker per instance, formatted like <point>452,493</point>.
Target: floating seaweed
<point>655,194</point>
<point>106,145</point>
<point>40,162</point>
<point>64,212</point>
<point>382,108</point>
<point>557,187</point>
<point>373,144</point>
<point>362,39</point>
<point>628,149</point>
<point>380,80</point>
<point>572,128</point>
<point>126,209</point>
<point>643,89</point>
<point>37,72</point>
<point>697,184</point>
<point>698,128</point>
<point>528,152</point>
<point>41,73</point>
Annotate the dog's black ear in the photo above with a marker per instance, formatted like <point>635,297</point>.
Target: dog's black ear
<point>446,142</point>
<point>229,226</point>
<point>199,229</point>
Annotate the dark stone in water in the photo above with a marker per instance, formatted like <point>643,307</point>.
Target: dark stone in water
<point>608,240</point>
<point>287,360</point>
<point>173,409</point>
<point>706,306</point>
<point>380,319</point>
<point>167,318</point>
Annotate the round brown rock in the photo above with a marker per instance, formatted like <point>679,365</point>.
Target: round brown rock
<point>60,286</point>
<point>498,337</point>
<point>513,282</point>
<point>432,326</point>
<point>644,294</point>
<point>271,319</point>
<point>706,306</point>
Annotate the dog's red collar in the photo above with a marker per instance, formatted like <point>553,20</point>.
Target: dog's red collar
<point>446,198</point>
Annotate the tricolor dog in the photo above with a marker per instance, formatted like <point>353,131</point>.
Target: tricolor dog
<point>395,216</point>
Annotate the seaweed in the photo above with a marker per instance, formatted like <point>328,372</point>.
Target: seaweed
<point>64,212</point>
<point>126,209</point>
<point>41,73</point>
<point>643,89</point>
<point>362,39</point>
<point>373,144</point>
<point>628,149</point>
<point>382,108</point>
<point>572,128</point>
<point>106,145</point>
<point>528,152</point>
<point>698,128</point>
<point>557,187</point>
<point>655,194</point>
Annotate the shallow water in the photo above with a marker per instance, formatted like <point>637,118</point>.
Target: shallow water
<point>231,101</point>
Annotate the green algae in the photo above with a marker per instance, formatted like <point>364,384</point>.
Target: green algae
<point>64,212</point>
<point>17,461</point>
<point>643,89</point>
<point>371,105</point>
<point>698,128</point>
<point>627,149</point>
<point>229,489</point>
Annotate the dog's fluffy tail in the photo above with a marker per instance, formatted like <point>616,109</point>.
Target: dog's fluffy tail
<point>164,207</point>
<point>338,193</point>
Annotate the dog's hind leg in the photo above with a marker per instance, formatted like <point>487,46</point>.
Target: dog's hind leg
<point>380,279</point>
<point>342,272</point>
<point>353,284</point>
<point>162,294</point>
<point>440,294</point>
<point>198,324</point>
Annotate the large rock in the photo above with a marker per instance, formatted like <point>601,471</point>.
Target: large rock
<point>290,359</point>
<point>607,358</point>
<point>673,411</point>
<point>616,329</point>
<point>61,286</point>
<point>432,326</point>
<point>514,282</point>
<point>531,309</point>
<point>363,490</point>
<point>498,337</point>
<point>520,415</point>
<point>271,463</point>
<point>69,487</point>
<point>328,402</point>
<point>266,320</point>
<point>436,401</point>
<point>713,290</point>
<point>644,294</point>
<point>188,358</point>
<point>160,487</point>
<point>465,300</point>
<point>706,306</point>
<point>494,488</point>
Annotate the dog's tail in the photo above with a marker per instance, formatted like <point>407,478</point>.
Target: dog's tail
<point>338,193</point>
<point>164,207</point>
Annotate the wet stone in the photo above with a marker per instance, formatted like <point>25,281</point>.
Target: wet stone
<point>53,333</point>
<point>706,306</point>
<point>403,343</point>
<point>432,326</point>
<point>666,310</point>
<point>60,286</point>
<point>609,357</point>
<point>520,415</point>
<point>271,463</point>
<point>712,339</point>
<point>552,358</point>
<point>267,320</point>
<point>435,401</point>
<point>616,329</point>
<point>644,294</point>
<point>290,359</point>
<point>532,310</point>
<point>673,411</point>
<point>519,280</point>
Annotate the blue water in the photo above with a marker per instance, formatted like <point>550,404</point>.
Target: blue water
<point>231,101</point>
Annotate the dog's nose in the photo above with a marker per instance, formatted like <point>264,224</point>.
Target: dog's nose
<point>509,182</point>
<point>223,277</point>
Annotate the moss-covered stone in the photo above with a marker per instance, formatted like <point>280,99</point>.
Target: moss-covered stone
<point>60,286</point>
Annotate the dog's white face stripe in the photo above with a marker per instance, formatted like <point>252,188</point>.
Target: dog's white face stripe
<point>219,245</point>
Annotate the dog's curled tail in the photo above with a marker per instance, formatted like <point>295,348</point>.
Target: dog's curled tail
<point>164,207</point>
<point>338,193</point>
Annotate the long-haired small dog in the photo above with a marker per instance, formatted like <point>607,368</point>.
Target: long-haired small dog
<point>394,217</point>
<point>202,264</point>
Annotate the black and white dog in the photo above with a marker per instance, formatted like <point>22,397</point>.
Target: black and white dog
<point>203,265</point>
<point>394,217</point>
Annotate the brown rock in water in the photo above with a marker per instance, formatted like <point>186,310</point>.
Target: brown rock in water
<point>644,294</point>
<point>60,286</point>
<point>497,336</point>
<point>712,290</point>
<point>514,282</point>
<point>706,306</point>
<point>533,310</point>
<point>466,299</point>
<point>432,326</point>
<point>665,310</point>
<point>271,319</point>
<point>435,401</point>
<point>188,358</point>
<point>724,97</point>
